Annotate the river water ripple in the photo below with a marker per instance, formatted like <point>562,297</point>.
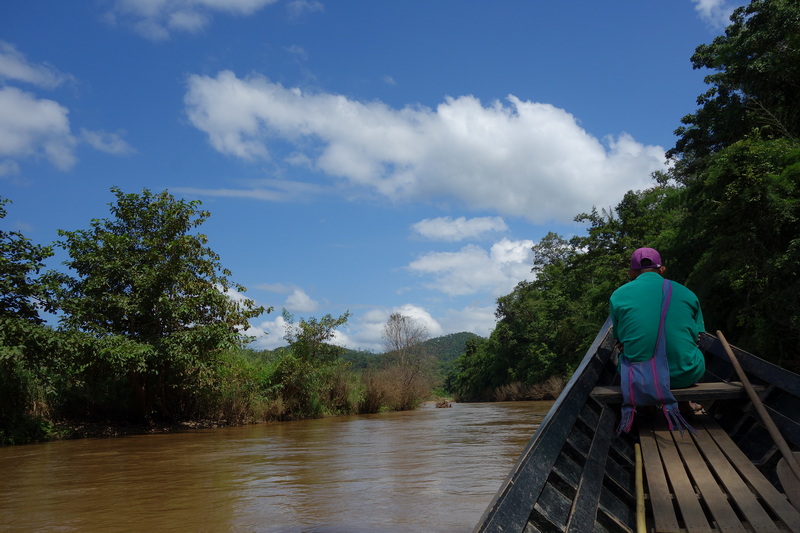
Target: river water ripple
<point>429,470</point>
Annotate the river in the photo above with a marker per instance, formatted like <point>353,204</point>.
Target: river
<point>428,470</point>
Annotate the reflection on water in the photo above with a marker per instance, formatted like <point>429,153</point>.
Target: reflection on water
<point>424,470</point>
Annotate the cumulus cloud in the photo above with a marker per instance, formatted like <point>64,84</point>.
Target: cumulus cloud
<point>716,13</point>
<point>480,320</point>
<point>473,269</point>
<point>157,19</point>
<point>30,126</point>
<point>462,228</point>
<point>14,66</point>
<point>300,302</point>
<point>519,157</point>
<point>268,334</point>
<point>34,127</point>
<point>297,300</point>
<point>110,143</point>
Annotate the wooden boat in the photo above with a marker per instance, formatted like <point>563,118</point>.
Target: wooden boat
<point>577,474</point>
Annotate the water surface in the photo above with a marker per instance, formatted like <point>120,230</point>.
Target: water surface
<point>425,470</point>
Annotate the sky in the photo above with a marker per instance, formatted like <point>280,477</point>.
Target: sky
<point>375,157</point>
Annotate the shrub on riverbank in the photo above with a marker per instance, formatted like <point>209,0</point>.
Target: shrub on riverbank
<point>241,387</point>
<point>151,334</point>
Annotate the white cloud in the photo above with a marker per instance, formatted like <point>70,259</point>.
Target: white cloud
<point>365,331</point>
<point>300,302</point>
<point>268,334</point>
<point>297,300</point>
<point>472,269</point>
<point>519,158</point>
<point>716,13</point>
<point>8,168</point>
<point>38,127</point>
<point>14,66</point>
<point>478,320</point>
<point>156,19</point>
<point>296,8</point>
<point>447,229</point>
<point>110,143</point>
<point>30,126</point>
<point>269,189</point>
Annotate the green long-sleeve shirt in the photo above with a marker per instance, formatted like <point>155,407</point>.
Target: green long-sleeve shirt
<point>636,313</point>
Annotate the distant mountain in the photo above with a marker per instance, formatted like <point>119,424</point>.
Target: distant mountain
<point>448,347</point>
<point>445,349</point>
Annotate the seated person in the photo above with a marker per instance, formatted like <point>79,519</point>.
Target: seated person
<point>636,314</point>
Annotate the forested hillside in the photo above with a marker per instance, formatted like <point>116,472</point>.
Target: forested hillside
<point>445,350</point>
<point>726,218</point>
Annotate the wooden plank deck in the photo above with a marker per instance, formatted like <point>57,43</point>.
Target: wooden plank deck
<point>703,482</point>
<point>718,390</point>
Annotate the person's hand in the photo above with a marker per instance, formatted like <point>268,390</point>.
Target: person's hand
<point>619,346</point>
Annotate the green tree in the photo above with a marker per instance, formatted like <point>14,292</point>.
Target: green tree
<point>737,157</point>
<point>308,375</point>
<point>146,278</point>
<point>22,293</point>
<point>29,351</point>
<point>310,339</point>
<point>741,240</point>
<point>754,85</point>
<point>544,326</point>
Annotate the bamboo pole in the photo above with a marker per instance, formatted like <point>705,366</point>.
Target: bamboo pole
<point>762,412</point>
<point>641,521</point>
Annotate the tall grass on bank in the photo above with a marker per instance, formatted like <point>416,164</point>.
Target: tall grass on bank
<point>230,388</point>
<point>516,391</point>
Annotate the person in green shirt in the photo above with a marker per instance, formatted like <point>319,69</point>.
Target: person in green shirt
<point>636,313</point>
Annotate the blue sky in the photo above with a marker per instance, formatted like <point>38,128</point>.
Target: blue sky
<point>361,155</point>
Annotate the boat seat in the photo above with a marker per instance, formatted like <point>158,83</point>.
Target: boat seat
<point>704,482</point>
<point>699,392</point>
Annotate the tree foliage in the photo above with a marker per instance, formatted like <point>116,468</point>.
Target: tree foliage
<point>151,288</point>
<point>21,291</point>
<point>724,216</point>
<point>754,84</point>
<point>152,331</point>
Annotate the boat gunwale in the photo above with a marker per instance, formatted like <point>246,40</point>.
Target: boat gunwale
<point>570,401</point>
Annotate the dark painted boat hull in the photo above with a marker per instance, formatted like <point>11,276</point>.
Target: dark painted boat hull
<point>576,474</point>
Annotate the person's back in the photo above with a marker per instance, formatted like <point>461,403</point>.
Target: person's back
<point>635,314</point>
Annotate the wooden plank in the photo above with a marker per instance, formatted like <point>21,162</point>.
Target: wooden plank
<point>713,496</point>
<point>693,516</point>
<point>584,508</point>
<point>790,482</point>
<point>715,390</point>
<point>658,489</point>
<point>735,486</point>
<point>765,490</point>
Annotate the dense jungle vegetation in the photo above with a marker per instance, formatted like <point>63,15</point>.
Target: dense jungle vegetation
<point>148,337</point>
<point>725,217</point>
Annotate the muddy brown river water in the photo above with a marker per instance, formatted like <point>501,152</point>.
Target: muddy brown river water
<point>429,470</point>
